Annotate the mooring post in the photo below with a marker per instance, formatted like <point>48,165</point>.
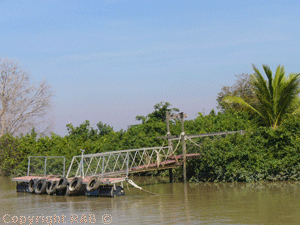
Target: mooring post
<point>183,146</point>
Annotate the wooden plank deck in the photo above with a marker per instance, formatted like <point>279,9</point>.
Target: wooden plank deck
<point>28,178</point>
<point>171,161</point>
<point>110,180</point>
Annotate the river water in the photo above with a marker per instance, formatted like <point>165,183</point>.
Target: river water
<point>176,203</point>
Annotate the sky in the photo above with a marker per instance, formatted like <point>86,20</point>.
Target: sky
<point>112,60</point>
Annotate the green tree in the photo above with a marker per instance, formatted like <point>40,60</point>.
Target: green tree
<point>104,128</point>
<point>159,113</point>
<point>241,88</point>
<point>276,97</point>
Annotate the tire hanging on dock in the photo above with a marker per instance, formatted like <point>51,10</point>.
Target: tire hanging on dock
<point>31,186</point>
<point>51,187</point>
<point>93,184</point>
<point>75,185</point>
<point>62,183</point>
<point>119,191</point>
<point>40,187</point>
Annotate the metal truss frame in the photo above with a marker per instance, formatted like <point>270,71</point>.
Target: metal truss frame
<point>117,162</point>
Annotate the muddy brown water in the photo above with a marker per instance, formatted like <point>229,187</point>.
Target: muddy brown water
<point>177,203</point>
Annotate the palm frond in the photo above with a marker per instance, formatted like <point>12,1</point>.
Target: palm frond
<point>270,78</point>
<point>241,101</point>
<point>289,94</point>
<point>277,96</point>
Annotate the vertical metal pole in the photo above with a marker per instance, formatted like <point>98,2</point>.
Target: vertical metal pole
<point>82,170</point>
<point>127,164</point>
<point>28,166</point>
<point>168,124</point>
<point>169,145</point>
<point>64,169</point>
<point>183,147</point>
<point>102,171</point>
<point>45,166</point>
<point>168,130</point>
<point>70,167</point>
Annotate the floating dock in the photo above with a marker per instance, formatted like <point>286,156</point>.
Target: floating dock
<point>92,186</point>
<point>100,174</point>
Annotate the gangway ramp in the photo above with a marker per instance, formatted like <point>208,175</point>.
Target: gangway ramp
<point>123,162</point>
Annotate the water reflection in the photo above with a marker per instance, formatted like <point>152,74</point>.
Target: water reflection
<point>177,203</point>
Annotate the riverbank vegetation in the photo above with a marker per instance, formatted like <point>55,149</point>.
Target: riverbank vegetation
<point>268,150</point>
<point>14,150</point>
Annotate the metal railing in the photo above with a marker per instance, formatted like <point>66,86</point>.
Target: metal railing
<point>40,166</point>
<point>128,161</point>
<point>117,162</point>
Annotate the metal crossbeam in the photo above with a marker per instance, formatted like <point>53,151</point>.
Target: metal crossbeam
<point>178,137</point>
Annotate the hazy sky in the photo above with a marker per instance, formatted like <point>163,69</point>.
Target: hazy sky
<point>112,60</point>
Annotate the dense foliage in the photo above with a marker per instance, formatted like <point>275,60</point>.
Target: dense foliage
<point>262,153</point>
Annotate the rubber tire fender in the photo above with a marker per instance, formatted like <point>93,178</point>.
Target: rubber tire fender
<point>31,185</point>
<point>51,187</point>
<point>112,193</point>
<point>62,183</point>
<point>93,184</point>
<point>40,186</point>
<point>75,184</point>
<point>119,191</point>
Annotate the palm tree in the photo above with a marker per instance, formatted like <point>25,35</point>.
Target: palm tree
<point>276,97</point>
